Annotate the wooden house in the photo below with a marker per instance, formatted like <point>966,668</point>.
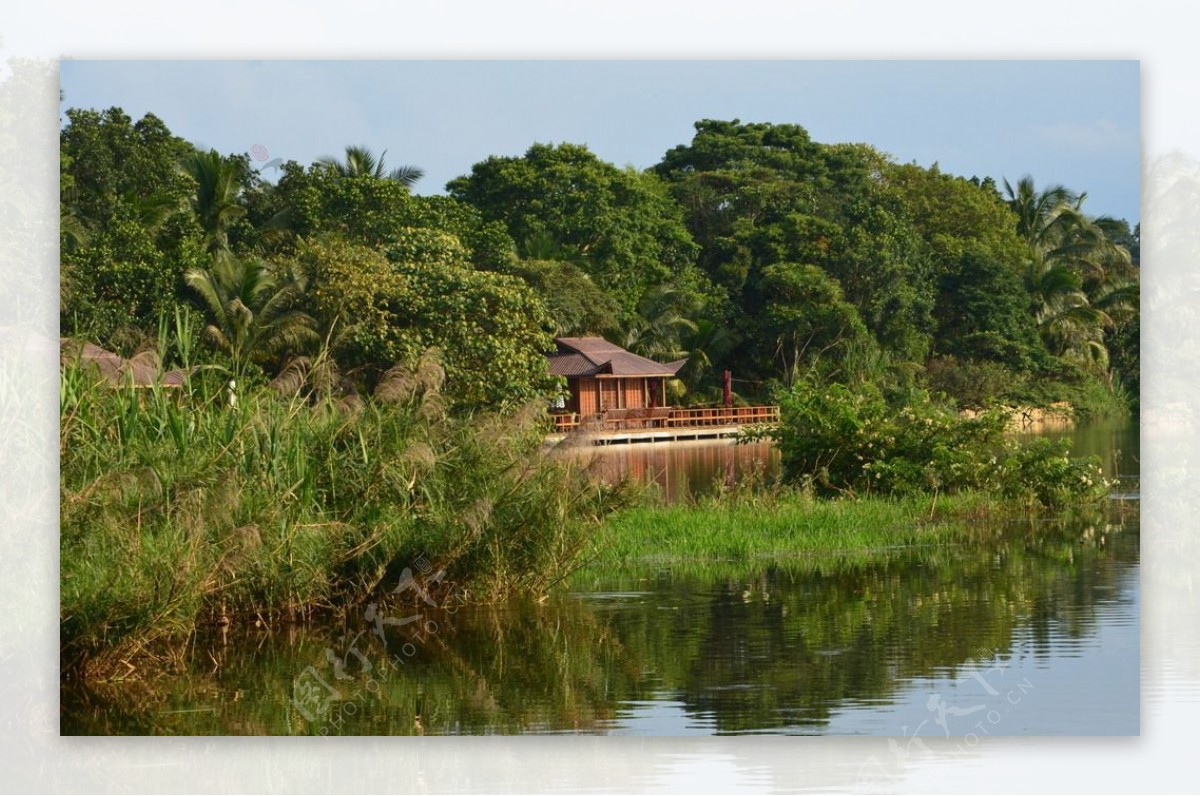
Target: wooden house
<point>603,377</point>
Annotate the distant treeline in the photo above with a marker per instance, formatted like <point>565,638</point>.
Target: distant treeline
<point>751,248</point>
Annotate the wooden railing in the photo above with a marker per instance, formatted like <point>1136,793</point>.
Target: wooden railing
<point>724,416</point>
<point>666,417</point>
<point>564,421</point>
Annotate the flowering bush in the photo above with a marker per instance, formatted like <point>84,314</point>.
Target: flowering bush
<point>841,440</point>
<point>1042,471</point>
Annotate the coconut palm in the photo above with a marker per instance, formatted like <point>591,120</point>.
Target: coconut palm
<point>1057,231</point>
<point>218,186</point>
<point>660,325</point>
<point>252,309</point>
<point>1071,262</point>
<point>1035,209</point>
<point>707,344</point>
<point>361,162</point>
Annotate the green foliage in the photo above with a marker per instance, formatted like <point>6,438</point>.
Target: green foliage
<point>361,162</point>
<point>388,309</point>
<point>118,280</point>
<point>983,314</point>
<point>488,244</point>
<point>806,317</point>
<point>661,323</point>
<point>840,440</point>
<point>761,194</point>
<point>821,258</point>
<point>884,272</point>
<point>1072,262</point>
<point>254,309</point>
<point>218,182</point>
<point>956,217</point>
<point>110,160</point>
<point>363,209</point>
<point>620,226</point>
<point>125,241</point>
<point>1041,472</point>
<point>179,506</point>
<point>1125,347</point>
<point>578,306</point>
<point>709,346</point>
<point>1091,395</point>
<point>973,384</point>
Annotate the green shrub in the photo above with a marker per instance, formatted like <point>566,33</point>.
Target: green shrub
<point>839,440</point>
<point>974,384</point>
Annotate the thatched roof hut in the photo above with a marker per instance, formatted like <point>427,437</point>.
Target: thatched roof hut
<point>141,370</point>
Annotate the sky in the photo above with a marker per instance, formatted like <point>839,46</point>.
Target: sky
<point>1076,123</point>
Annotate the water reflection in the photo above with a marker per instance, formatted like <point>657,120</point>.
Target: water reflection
<point>807,648</point>
<point>678,470</point>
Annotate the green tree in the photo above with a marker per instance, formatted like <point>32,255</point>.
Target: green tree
<point>756,195</point>
<point>661,324</point>
<point>1071,258</point>
<point>106,158</point>
<point>252,308</point>
<point>579,308</point>
<point>125,241</point>
<point>708,345</point>
<point>956,216</point>
<point>216,199</point>
<point>983,314</point>
<point>619,225</point>
<point>374,211</point>
<point>117,284</point>
<point>361,162</point>
<point>421,293</point>
<point>807,320</point>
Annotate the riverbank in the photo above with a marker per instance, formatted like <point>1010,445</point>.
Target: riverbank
<point>179,512</point>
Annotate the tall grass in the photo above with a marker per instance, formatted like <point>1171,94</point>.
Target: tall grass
<point>792,525</point>
<point>181,506</point>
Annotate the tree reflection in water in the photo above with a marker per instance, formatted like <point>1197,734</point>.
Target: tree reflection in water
<point>748,647</point>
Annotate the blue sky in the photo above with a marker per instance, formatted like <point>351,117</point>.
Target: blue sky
<point>1070,122</point>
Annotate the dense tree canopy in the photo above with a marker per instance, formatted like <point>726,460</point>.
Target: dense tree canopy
<point>752,248</point>
<point>619,225</point>
<point>126,244</point>
<point>391,306</point>
<point>760,194</point>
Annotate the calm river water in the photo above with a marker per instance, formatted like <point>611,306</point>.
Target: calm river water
<point>1036,634</point>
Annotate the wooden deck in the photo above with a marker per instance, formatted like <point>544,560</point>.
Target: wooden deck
<point>664,424</point>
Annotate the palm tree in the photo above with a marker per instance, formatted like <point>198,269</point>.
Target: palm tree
<point>708,344</point>
<point>218,186</point>
<point>360,162</point>
<point>1072,261</point>
<point>660,324</point>
<point>1053,224</point>
<point>252,307</point>
<point>1036,210</point>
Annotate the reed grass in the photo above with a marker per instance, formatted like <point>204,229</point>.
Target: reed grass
<point>181,507</point>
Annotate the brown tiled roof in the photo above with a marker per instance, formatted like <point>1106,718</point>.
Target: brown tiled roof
<point>571,365</point>
<point>591,356</point>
